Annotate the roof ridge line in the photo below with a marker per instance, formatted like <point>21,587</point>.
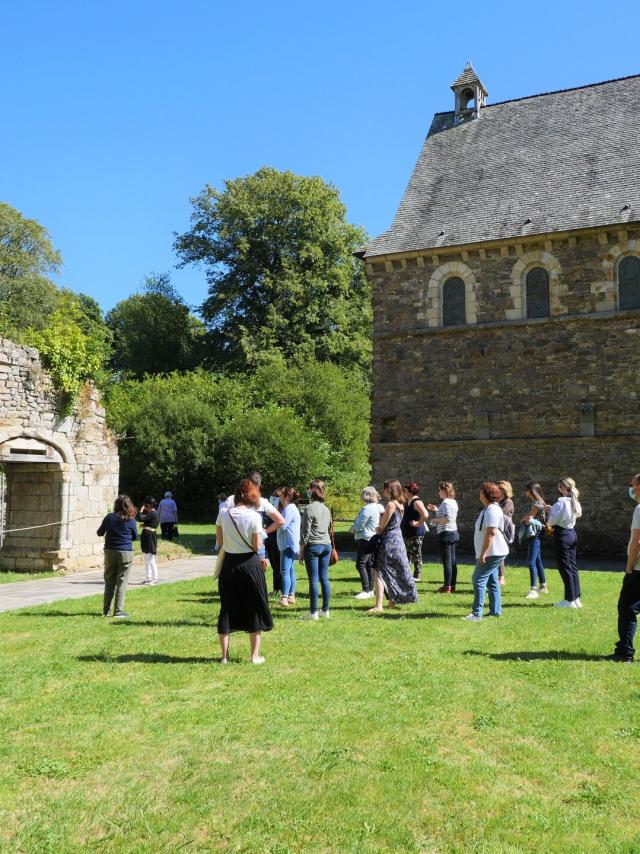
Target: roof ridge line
<point>542,94</point>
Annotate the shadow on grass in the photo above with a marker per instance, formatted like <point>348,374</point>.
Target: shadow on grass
<point>539,655</point>
<point>131,621</point>
<point>146,658</point>
<point>56,614</point>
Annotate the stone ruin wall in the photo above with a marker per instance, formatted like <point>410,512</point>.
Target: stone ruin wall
<point>59,469</point>
<point>506,397</point>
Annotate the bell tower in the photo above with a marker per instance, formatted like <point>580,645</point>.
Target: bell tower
<point>470,95</point>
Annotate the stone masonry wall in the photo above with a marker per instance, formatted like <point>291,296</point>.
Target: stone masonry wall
<point>61,470</point>
<point>506,397</point>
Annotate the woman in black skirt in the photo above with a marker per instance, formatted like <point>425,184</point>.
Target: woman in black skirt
<point>244,604</point>
<point>149,539</point>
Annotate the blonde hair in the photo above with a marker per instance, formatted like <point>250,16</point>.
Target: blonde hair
<point>570,485</point>
<point>447,486</point>
<point>370,494</point>
<point>506,487</point>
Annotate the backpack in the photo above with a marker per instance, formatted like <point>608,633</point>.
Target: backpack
<point>508,529</point>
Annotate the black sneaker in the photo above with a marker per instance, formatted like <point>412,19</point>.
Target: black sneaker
<point>620,659</point>
<point>121,616</point>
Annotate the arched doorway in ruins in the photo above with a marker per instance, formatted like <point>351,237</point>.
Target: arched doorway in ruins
<point>34,493</point>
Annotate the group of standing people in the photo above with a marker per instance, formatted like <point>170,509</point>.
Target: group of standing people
<point>389,544</point>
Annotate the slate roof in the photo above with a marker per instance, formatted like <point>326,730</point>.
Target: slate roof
<point>557,162</point>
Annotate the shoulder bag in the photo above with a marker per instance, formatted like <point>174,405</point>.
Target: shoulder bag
<point>335,557</point>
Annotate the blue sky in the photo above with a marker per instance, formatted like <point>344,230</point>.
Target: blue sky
<point>115,113</point>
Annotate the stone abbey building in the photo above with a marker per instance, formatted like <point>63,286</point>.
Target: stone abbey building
<point>507,304</point>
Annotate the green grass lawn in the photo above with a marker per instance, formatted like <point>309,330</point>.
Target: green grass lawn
<point>411,732</point>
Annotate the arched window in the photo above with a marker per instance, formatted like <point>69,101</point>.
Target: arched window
<point>453,307</point>
<point>537,292</point>
<point>629,282</point>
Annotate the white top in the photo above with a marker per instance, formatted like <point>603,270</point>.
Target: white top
<point>561,514</point>
<point>265,505</point>
<point>448,509</point>
<point>249,522</point>
<point>635,523</point>
<point>490,517</point>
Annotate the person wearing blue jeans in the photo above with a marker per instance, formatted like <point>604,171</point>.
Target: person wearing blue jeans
<point>485,575</point>
<point>536,567</point>
<point>315,542</point>
<point>316,558</point>
<point>491,547</point>
<point>288,538</point>
<point>288,573</point>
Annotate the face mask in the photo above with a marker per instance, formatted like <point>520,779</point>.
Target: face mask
<point>632,495</point>
<point>308,493</point>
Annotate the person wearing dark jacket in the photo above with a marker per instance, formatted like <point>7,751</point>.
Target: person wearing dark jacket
<point>119,531</point>
<point>149,539</point>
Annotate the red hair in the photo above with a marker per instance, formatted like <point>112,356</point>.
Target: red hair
<point>247,493</point>
<point>491,491</point>
<point>412,487</point>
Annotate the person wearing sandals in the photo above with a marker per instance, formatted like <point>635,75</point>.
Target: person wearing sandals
<point>393,571</point>
<point>533,491</point>
<point>244,602</point>
<point>491,547</point>
<point>448,536</point>
<point>288,543</point>
<point>562,518</point>
<point>364,529</point>
<point>315,549</point>
<point>413,527</point>
<point>149,539</point>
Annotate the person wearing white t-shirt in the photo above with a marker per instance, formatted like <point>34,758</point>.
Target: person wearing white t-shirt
<point>562,518</point>
<point>272,520</point>
<point>244,602</point>
<point>447,527</point>
<point>491,547</point>
<point>629,600</point>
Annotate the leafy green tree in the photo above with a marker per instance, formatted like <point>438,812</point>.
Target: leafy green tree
<point>154,332</point>
<point>197,433</point>
<point>27,258</point>
<point>69,354</point>
<point>334,402</point>
<point>278,256</point>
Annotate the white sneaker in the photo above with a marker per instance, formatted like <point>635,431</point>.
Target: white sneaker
<point>364,594</point>
<point>257,659</point>
<point>578,603</point>
<point>324,614</point>
<point>310,615</point>
<point>543,589</point>
<point>565,604</point>
<point>224,661</point>
<point>472,618</point>
<point>532,594</point>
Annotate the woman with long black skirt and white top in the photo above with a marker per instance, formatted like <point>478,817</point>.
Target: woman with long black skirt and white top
<point>244,604</point>
<point>562,518</point>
